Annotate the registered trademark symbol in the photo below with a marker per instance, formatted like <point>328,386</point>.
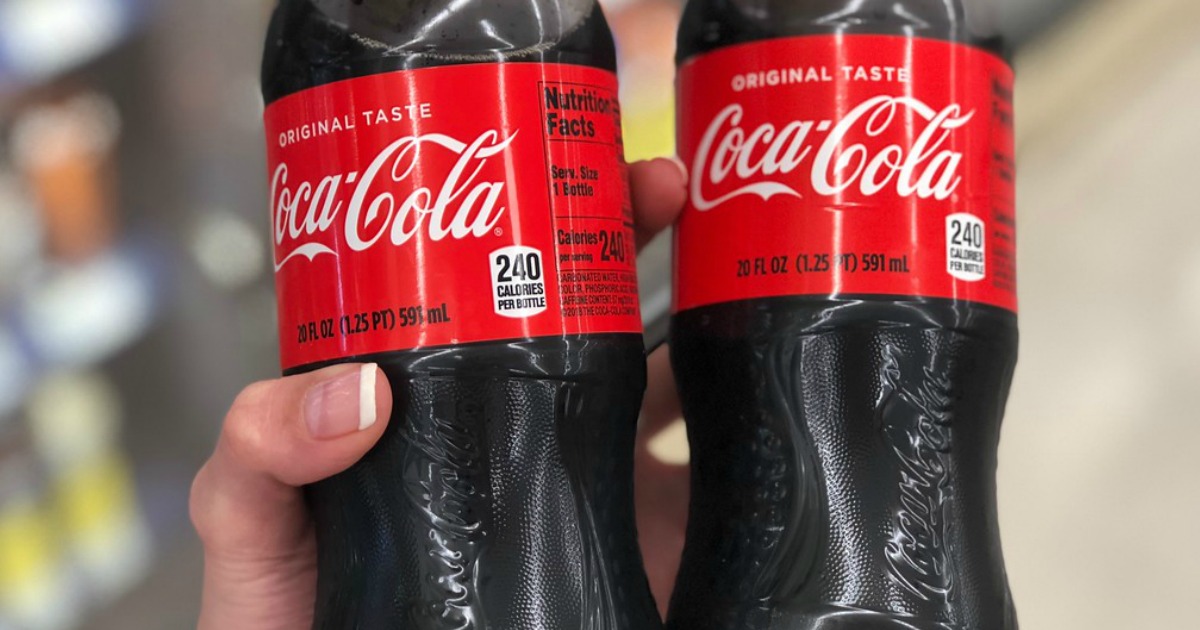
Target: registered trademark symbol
<point>499,232</point>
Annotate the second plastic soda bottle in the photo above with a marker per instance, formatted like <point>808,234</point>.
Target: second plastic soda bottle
<point>845,327</point>
<point>448,200</point>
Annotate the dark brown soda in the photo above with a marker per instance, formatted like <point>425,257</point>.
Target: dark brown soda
<point>844,448</point>
<point>500,496</point>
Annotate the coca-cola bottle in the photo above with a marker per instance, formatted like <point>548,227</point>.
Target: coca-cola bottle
<point>845,328</point>
<point>448,199</point>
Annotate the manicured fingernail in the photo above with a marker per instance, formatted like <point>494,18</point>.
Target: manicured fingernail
<point>366,397</point>
<point>341,406</point>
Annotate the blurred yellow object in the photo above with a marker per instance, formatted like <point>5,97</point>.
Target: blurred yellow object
<point>645,34</point>
<point>101,521</point>
<point>34,588</point>
<point>26,549</point>
<point>90,494</point>
<point>75,420</point>
<point>649,131</point>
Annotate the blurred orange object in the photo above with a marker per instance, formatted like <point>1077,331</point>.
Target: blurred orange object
<point>63,148</point>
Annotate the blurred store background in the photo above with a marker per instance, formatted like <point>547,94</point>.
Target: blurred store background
<point>136,297</point>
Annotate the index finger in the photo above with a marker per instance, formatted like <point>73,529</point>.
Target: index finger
<point>658,189</point>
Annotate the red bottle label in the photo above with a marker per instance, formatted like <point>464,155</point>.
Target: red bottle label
<point>450,205</point>
<point>842,166</point>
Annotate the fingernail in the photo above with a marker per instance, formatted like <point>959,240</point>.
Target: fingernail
<point>341,406</point>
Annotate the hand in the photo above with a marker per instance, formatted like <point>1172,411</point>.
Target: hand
<point>259,545</point>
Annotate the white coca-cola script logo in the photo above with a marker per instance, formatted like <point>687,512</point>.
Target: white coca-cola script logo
<point>458,208</point>
<point>765,156</point>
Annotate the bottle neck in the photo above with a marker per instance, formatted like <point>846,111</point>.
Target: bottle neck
<point>457,26</point>
<point>313,42</point>
<point>712,24</point>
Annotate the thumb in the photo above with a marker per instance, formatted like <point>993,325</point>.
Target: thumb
<point>246,503</point>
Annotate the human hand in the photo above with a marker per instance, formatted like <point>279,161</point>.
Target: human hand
<point>280,435</point>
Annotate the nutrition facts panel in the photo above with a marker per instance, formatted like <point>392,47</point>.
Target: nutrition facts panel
<point>589,196</point>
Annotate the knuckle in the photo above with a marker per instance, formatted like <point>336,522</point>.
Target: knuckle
<point>246,429</point>
<point>200,504</point>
